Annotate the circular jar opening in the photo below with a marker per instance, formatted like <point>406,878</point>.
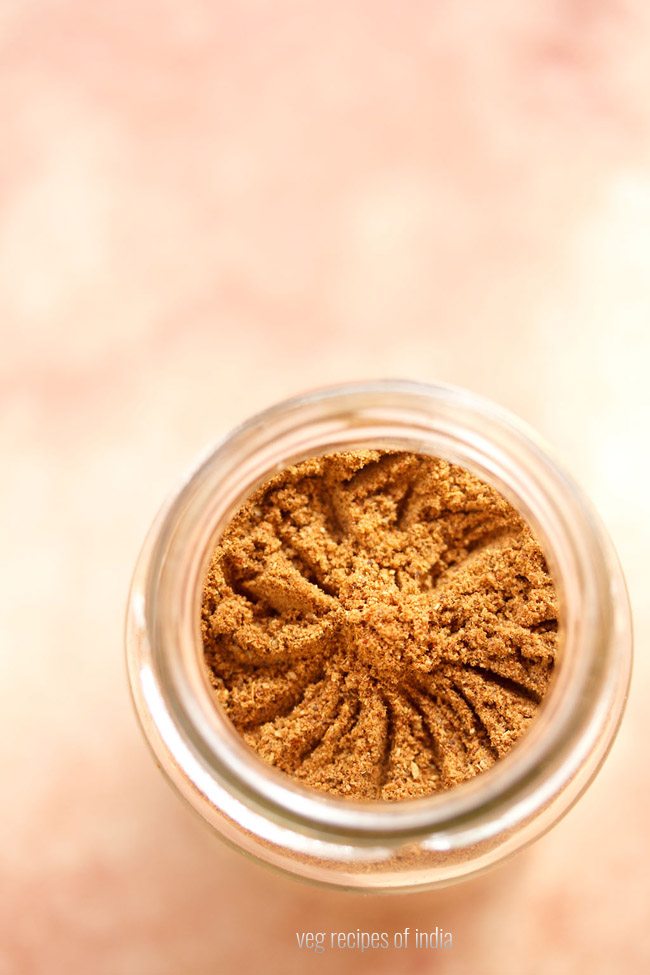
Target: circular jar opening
<point>361,843</point>
<point>379,624</point>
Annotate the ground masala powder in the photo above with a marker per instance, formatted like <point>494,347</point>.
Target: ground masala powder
<point>379,624</point>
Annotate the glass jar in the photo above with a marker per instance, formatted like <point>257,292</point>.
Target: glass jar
<point>378,845</point>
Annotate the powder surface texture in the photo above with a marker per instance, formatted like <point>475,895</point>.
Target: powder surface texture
<point>379,624</point>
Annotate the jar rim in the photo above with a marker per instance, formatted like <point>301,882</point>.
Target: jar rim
<point>445,421</point>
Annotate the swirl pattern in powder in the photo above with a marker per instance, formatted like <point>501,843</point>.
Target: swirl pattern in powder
<point>379,624</point>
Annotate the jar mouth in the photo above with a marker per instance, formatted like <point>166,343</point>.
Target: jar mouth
<point>444,421</point>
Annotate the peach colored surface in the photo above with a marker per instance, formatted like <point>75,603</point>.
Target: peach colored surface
<point>206,207</point>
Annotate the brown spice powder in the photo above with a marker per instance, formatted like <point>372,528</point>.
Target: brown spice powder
<point>379,624</point>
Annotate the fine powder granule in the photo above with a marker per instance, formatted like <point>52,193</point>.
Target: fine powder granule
<point>379,624</point>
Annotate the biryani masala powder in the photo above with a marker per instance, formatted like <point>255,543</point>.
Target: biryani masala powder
<point>379,624</point>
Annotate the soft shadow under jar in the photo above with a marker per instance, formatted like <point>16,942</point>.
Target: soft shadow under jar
<point>376,844</point>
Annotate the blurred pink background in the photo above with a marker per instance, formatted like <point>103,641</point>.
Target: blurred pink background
<point>206,207</point>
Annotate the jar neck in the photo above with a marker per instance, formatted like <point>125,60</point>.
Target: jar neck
<point>463,429</point>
